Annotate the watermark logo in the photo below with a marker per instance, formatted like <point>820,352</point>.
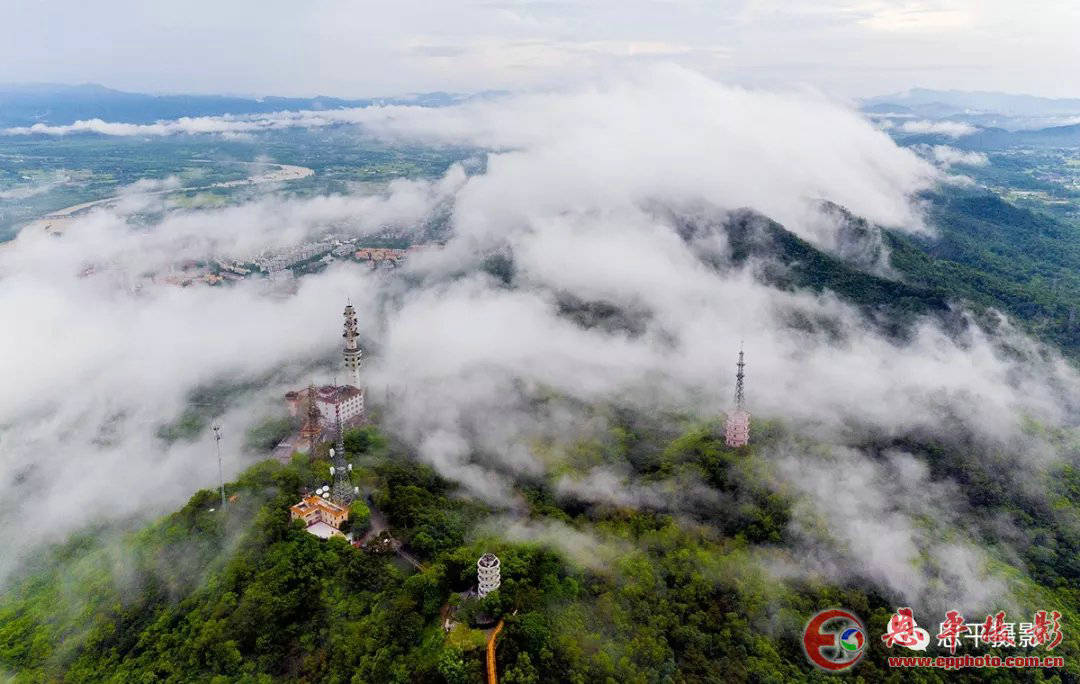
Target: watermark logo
<point>904,631</point>
<point>834,639</point>
<point>956,633</point>
<point>995,631</point>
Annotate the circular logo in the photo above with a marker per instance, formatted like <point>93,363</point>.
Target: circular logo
<point>834,639</point>
<point>851,640</point>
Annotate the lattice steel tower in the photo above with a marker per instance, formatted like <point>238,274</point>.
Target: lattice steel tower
<point>737,426</point>
<point>739,375</point>
<point>311,429</point>
<point>342,491</point>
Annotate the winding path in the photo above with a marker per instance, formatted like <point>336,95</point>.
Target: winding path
<point>492,676</point>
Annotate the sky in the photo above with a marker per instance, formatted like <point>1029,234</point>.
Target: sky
<point>846,48</point>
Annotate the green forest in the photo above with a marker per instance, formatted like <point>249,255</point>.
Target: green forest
<point>245,595</point>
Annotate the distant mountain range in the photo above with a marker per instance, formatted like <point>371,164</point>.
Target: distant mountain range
<point>979,108</point>
<point>28,104</point>
<point>1000,138</point>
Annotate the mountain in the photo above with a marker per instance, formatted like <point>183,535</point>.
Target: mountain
<point>960,101</point>
<point>997,138</point>
<point>994,255</point>
<point>25,105</point>
<point>985,109</point>
<point>666,590</point>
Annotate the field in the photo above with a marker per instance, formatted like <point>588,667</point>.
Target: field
<point>41,175</point>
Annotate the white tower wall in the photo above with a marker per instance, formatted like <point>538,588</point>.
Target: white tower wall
<point>487,574</point>
<point>352,351</point>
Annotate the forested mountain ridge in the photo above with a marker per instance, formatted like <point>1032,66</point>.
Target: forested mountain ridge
<point>683,592</point>
<point>250,597</point>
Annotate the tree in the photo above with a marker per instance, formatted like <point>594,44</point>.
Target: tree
<point>521,672</point>
<point>359,516</point>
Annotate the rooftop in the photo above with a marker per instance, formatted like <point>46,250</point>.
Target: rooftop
<point>312,501</point>
<point>322,530</point>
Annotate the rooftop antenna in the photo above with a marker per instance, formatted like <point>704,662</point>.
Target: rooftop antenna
<point>221,476</point>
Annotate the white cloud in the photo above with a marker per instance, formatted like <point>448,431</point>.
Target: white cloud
<point>952,129</point>
<point>614,193</point>
<point>891,523</point>
<point>945,156</point>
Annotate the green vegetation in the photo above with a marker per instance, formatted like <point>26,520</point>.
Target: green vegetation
<point>266,435</point>
<point>994,255</point>
<point>649,597</point>
<point>591,592</point>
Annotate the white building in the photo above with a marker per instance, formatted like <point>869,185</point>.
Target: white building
<point>347,399</point>
<point>328,398</point>
<point>487,574</point>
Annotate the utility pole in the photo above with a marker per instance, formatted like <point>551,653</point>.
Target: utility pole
<point>221,476</point>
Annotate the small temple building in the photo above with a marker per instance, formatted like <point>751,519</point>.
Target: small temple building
<point>322,516</point>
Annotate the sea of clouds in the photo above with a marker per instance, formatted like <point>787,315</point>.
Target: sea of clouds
<point>570,195</point>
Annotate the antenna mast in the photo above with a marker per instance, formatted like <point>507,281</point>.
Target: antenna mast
<point>221,476</point>
<point>342,491</point>
<point>313,417</point>
<point>739,380</point>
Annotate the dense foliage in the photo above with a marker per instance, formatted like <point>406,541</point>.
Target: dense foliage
<point>991,254</point>
<point>647,597</point>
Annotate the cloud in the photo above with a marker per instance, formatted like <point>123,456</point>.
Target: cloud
<point>233,126</point>
<point>945,156</point>
<point>949,156</point>
<point>885,520</point>
<point>952,129</point>
<point>582,548</point>
<point>615,195</point>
